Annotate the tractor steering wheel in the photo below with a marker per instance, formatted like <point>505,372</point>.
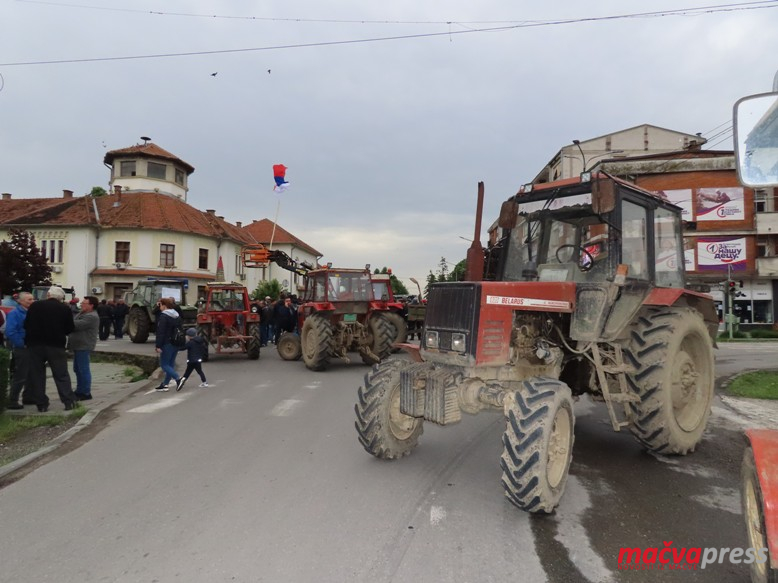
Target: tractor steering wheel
<point>582,266</point>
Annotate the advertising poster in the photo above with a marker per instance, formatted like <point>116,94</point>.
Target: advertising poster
<point>717,253</point>
<point>720,204</point>
<point>682,198</point>
<point>688,257</point>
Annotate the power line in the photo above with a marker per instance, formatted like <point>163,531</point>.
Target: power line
<point>680,12</point>
<point>725,122</point>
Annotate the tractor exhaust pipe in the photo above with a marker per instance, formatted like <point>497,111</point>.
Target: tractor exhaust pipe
<point>474,270</point>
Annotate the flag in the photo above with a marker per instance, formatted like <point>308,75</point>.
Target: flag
<point>279,174</point>
<point>219,269</point>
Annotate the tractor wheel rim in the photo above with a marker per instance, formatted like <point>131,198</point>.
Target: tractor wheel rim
<point>686,396</point>
<point>756,537</point>
<point>559,447</point>
<point>400,424</point>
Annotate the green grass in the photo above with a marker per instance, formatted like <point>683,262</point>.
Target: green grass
<point>134,374</point>
<point>13,425</point>
<point>755,385</point>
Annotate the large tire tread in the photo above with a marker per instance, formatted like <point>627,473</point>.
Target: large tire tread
<point>318,349</point>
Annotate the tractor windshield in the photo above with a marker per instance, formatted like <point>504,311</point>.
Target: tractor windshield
<point>560,240</point>
<point>339,286</point>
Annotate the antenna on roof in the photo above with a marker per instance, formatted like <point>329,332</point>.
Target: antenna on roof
<point>145,139</point>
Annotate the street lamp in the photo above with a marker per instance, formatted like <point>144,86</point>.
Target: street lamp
<point>416,281</point>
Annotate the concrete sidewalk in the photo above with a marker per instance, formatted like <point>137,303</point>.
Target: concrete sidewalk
<point>111,384</point>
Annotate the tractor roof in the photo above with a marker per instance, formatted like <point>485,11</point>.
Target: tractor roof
<point>543,186</point>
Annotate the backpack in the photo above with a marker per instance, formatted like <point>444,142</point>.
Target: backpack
<point>178,337</point>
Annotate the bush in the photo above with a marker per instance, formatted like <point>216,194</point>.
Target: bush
<point>5,364</point>
<point>763,333</point>
<point>736,334</point>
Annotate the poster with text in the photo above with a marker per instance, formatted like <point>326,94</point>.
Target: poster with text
<point>720,204</point>
<point>718,253</point>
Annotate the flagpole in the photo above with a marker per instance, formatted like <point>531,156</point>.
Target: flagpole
<point>273,234</point>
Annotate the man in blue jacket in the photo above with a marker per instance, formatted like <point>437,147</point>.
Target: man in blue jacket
<point>14,333</point>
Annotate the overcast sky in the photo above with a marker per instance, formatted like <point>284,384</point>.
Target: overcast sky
<point>385,141</point>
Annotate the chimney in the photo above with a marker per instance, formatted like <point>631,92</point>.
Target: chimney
<point>67,193</point>
<point>238,224</point>
<point>220,217</point>
<point>6,196</point>
<point>117,189</point>
<point>211,211</point>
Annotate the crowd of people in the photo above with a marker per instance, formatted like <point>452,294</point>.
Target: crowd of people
<point>39,333</point>
<point>277,317</point>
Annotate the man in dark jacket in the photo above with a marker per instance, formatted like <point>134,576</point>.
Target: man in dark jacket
<point>47,326</point>
<point>285,318</point>
<point>105,313</point>
<point>167,323</point>
<point>120,312</point>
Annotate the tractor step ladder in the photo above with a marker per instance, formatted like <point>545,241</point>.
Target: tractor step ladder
<point>619,370</point>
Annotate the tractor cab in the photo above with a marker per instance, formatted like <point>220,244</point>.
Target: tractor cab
<point>338,285</point>
<point>582,231</point>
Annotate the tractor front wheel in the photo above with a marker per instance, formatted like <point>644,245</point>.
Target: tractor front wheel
<point>138,325</point>
<point>289,346</point>
<point>385,431</point>
<point>253,343</point>
<point>672,354</point>
<point>317,342</point>
<point>204,331</point>
<point>753,512</point>
<point>537,444</point>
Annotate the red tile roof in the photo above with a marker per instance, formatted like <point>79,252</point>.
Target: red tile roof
<point>261,231</point>
<point>147,150</point>
<point>147,210</point>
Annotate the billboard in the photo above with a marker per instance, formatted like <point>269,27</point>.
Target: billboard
<point>721,253</point>
<point>720,204</point>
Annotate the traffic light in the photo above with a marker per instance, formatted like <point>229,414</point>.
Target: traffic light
<point>732,287</point>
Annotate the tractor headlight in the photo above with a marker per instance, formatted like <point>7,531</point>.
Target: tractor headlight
<point>431,339</point>
<point>458,342</point>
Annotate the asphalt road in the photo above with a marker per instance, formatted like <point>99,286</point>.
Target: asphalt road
<point>261,478</point>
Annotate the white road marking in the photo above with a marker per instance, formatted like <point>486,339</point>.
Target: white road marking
<point>313,386</point>
<point>263,385</point>
<point>683,466</point>
<point>437,515</point>
<point>572,534</point>
<point>162,404</point>
<point>727,499</point>
<point>285,407</point>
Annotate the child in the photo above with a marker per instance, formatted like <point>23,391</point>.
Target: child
<point>196,352</point>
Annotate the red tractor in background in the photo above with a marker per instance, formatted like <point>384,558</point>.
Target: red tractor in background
<point>225,319</point>
<point>339,314</point>
<point>590,298</point>
<point>382,291</point>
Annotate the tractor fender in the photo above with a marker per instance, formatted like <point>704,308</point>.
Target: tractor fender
<point>412,350</point>
<point>764,443</point>
<point>703,303</point>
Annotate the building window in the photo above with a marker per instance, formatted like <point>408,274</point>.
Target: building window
<point>53,250</point>
<point>122,254</point>
<point>239,269</point>
<point>760,201</point>
<point>127,168</point>
<point>203,259</point>
<point>167,255</point>
<point>179,177</point>
<point>155,170</point>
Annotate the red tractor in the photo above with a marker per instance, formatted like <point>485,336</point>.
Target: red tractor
<point>339,314</point>
<point>225,320</point>
<point>382,291</point>
<point>590,298</point>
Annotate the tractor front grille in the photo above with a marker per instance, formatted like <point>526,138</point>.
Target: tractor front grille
<point>454,308</point>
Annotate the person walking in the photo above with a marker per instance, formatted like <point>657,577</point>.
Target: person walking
<point>15,335</point>
<point>47,326</point>
<point>120,311</point>
<point>167,323</point>
<point>105,313</point>
<point>82,342</point>
<point>196,353</point>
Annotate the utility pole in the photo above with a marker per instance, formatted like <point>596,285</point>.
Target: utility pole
<point>730,302</point>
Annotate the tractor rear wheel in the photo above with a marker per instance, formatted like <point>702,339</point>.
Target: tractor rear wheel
<point>380,337</point>
<point>317,342</point>
<point>537,444</point>
<point>252,345</point>
<point>289,347</point>
<point>672,354</point>
<point>384,431</point>
<point>400,327</point>
<point>138,325</point>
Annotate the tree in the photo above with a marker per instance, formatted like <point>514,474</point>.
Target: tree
<point>270,288</point>
<point>97,191</point>
<point>430,280</point>
<point>21,264</point>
